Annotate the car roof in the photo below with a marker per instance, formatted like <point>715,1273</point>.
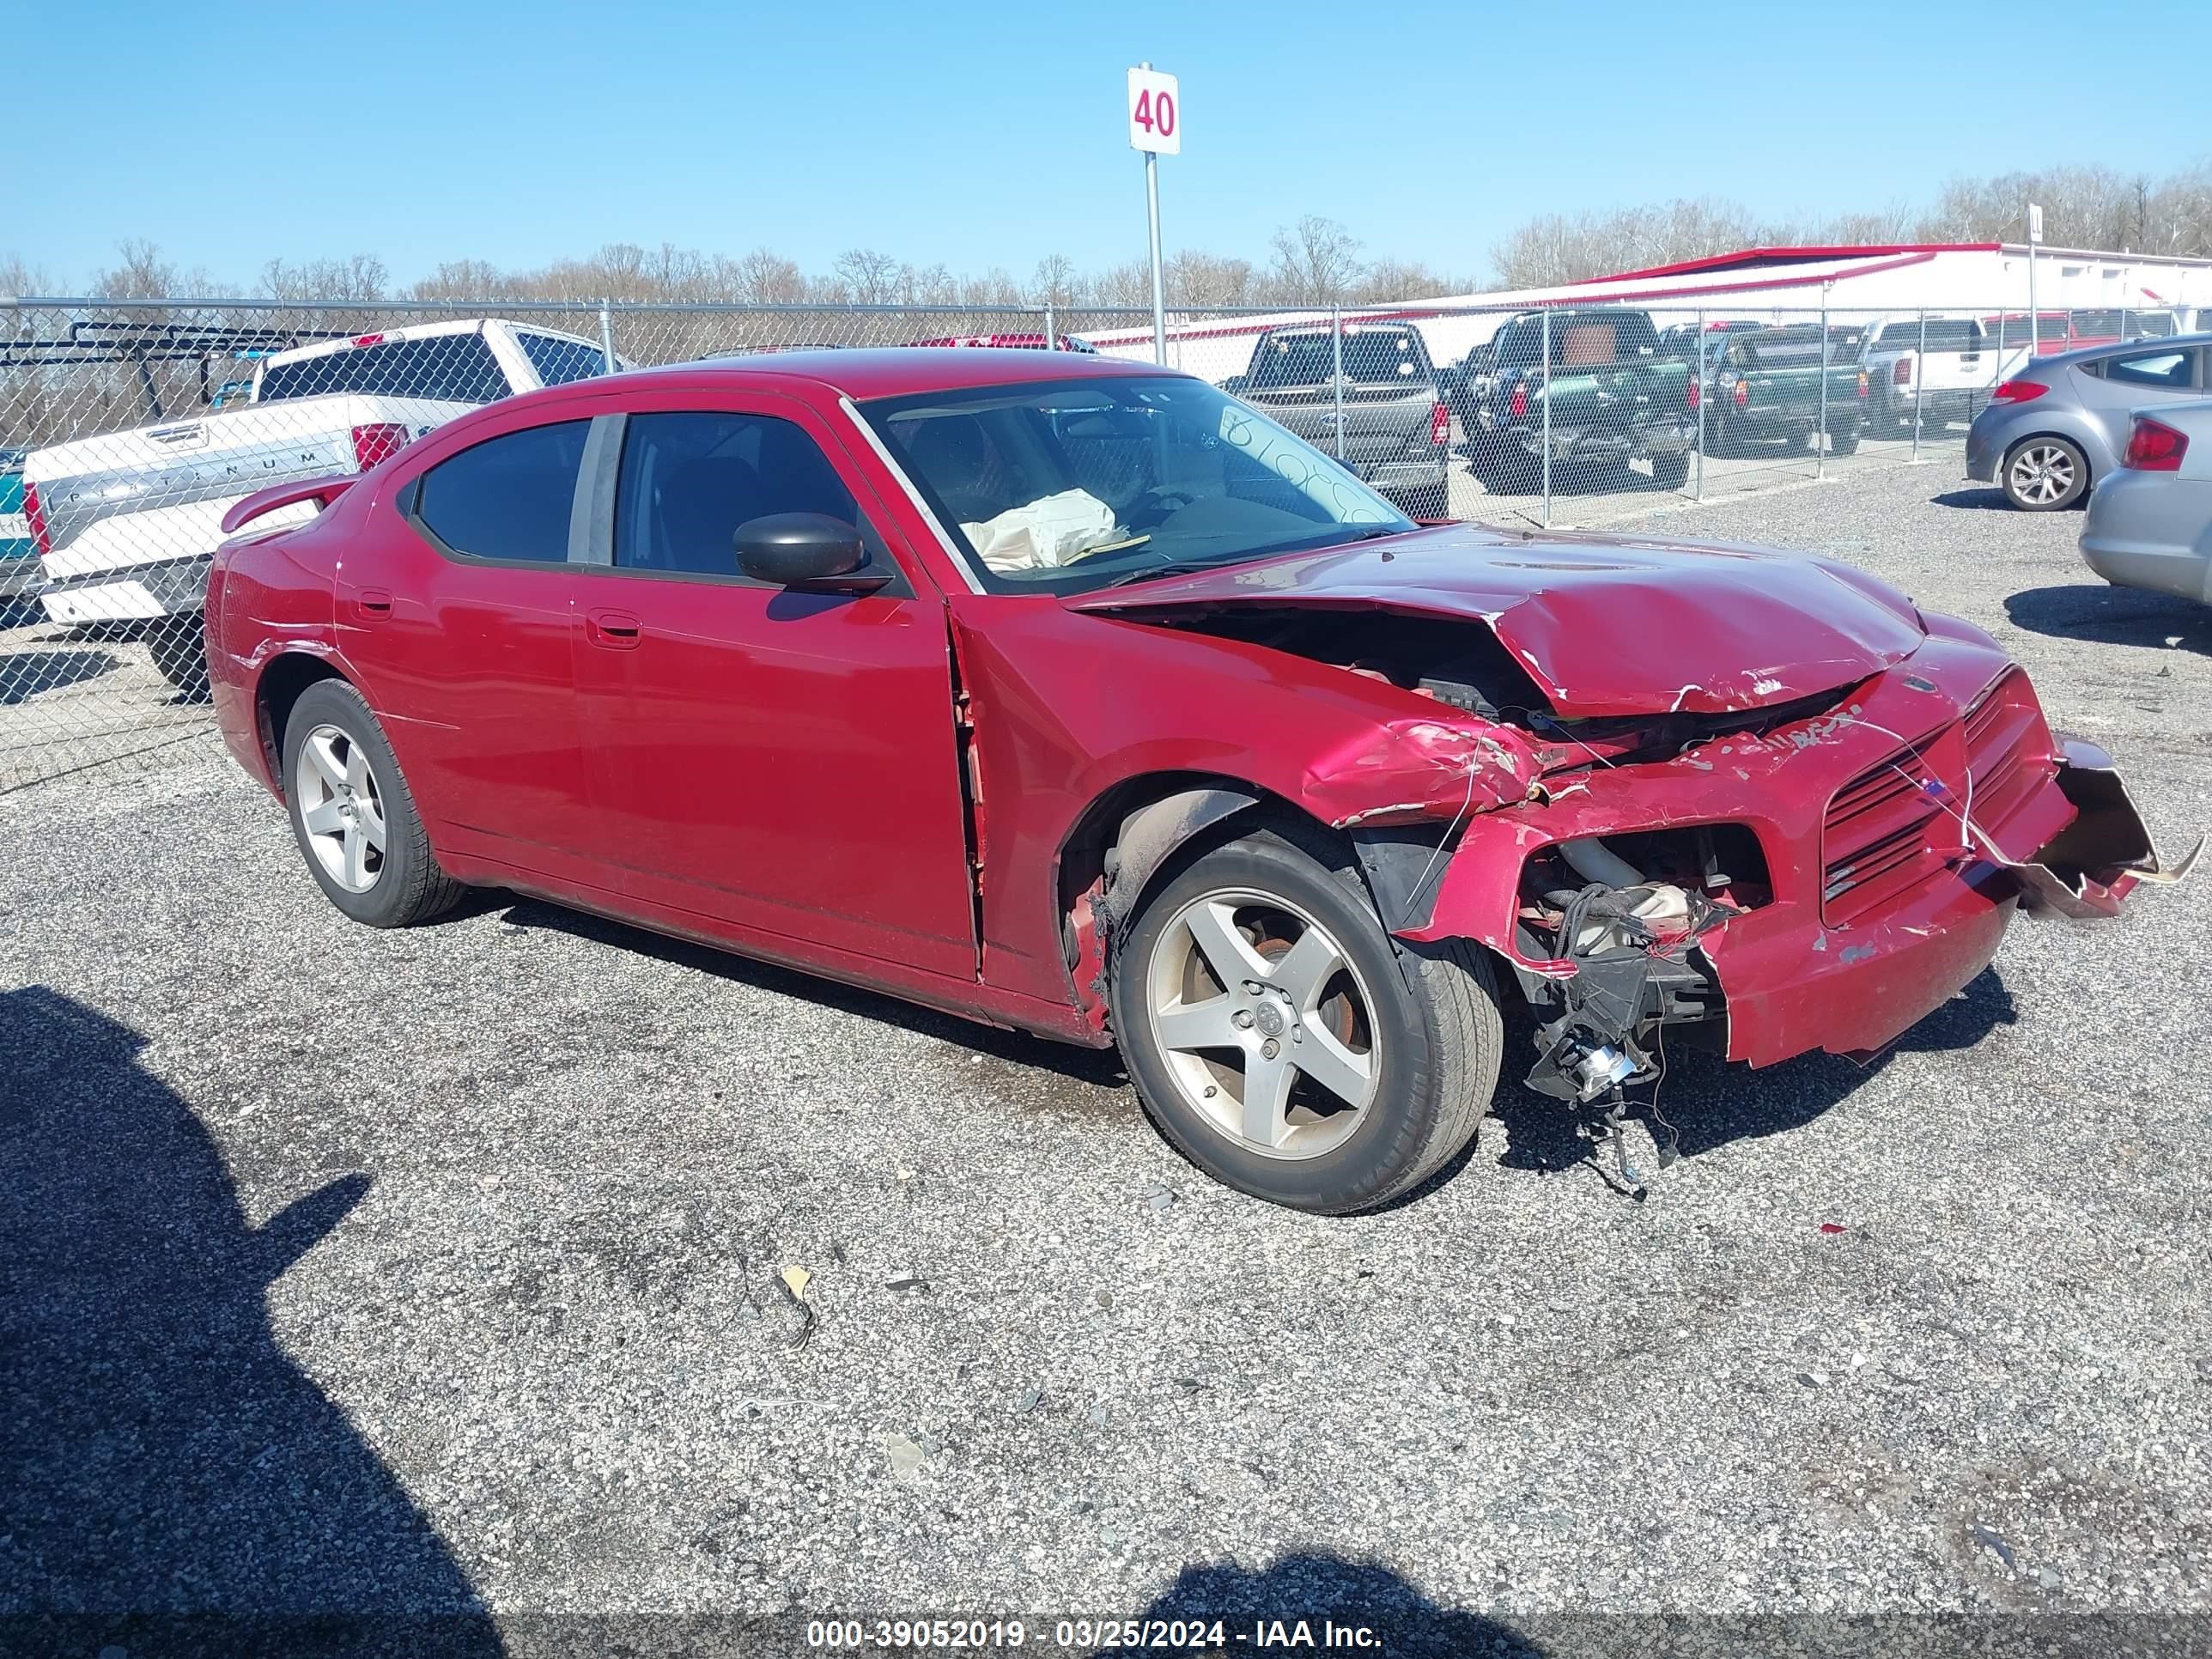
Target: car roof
<point>895,371</point>
<point>2136,347</point>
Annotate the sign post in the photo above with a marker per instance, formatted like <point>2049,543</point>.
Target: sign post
<point>2034,322</point>
<point>1155,128</point>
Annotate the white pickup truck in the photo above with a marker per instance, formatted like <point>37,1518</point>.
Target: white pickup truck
<point>127,524</point>
<point>1947,362</point>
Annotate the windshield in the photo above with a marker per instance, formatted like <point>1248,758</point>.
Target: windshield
<point>1371,357</point>
<point>1067,486</point>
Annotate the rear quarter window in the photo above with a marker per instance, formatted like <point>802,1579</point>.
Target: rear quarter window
<point>507,499</point>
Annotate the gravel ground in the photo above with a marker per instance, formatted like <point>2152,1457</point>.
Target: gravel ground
<point>448,1272</point>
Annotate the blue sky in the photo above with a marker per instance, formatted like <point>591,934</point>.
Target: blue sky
<point>980,134</point>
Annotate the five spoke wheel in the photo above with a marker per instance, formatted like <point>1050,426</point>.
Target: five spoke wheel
<point>341,808</point>
<point>1266,1027</point>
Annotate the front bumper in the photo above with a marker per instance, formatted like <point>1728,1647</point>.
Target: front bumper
<point>2043,826</point>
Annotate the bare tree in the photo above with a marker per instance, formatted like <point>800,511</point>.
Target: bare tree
<point>871,277</point>
<point>766,278</point>
<point>362,278</point>
<point>1316,262</point>
<point>1055,283</point>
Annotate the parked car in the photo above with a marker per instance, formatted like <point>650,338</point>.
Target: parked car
<point>2053,432</point>
<point>1220,758</point>
<point>2066,330</point>
<point>1613,396</point>
<point>1764,386</point>
<point>126,522</point>
<point>1386,422</point>
<point>2150,523</point>
<point>19,563</point>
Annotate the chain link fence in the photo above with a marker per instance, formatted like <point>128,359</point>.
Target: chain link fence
<point>128,429</point>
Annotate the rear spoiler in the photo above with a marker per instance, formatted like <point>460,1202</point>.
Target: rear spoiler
<point>321,491</point>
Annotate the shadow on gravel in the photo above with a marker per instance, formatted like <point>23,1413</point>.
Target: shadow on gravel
<point>1710,1102</point>
<point>1347,1594</point>
<point>24,674</point>
<point>170,1482</point>
<point>2113,616</point>
<point>1102,1068</point>
<point>1982,500</point>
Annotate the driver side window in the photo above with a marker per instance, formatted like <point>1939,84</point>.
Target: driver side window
<point>689,479</point>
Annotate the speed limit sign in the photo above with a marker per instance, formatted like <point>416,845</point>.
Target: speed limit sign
<point>1155,112</point>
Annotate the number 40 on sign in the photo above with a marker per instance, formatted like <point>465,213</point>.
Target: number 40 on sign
<point>1155,112</point>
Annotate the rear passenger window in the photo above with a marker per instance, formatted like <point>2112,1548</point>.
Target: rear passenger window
<point>2167,370</point>
<point>508,497</point>
<point>455,368</point>
<point>688,480</point>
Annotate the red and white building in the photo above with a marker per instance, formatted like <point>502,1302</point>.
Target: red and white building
<point>1779,284</point>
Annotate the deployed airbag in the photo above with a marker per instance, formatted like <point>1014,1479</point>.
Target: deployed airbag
<point>1045,533</point>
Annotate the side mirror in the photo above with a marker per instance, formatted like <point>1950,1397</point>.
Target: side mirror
<point>807,552</point>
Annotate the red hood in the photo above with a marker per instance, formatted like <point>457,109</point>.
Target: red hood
<point>1606,625</point>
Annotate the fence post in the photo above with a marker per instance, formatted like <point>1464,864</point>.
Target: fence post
<point>1051,339</point>
<point>1919,378</point>
<point>1336,365</point>
<point>1548,417</point>
<point>1997,375</point>
<point>1820,439</point>
<point>1698,380</point>
<point>606,337</point>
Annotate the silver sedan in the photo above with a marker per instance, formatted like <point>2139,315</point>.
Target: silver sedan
<point>2056,429</point>
<point>2150,523</point>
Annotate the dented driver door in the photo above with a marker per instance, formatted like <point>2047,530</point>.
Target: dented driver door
<point>777,762</point>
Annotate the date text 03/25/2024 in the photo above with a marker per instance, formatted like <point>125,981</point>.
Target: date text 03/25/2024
<point>1097,1635</point>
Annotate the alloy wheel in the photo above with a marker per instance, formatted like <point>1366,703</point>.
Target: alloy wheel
<point>2042,474</point>
<point>341,808</point>
<point>1267,1028</point>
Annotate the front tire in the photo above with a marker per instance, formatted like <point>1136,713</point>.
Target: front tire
<point>2044,474</point>
<point>1281,1040</point>
<point>353,815</point>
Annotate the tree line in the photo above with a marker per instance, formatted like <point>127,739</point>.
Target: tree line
<point>1314,261</point>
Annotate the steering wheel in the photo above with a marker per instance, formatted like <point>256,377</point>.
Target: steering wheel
<point>1154,505</point>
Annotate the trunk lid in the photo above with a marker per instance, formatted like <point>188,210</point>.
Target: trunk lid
<point>1606,626</point>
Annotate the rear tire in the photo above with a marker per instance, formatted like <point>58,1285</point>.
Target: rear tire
<point>1845,441</point>
<point>1403,1042</point>
<point>354,816</point>
<point>178,645</point>
<point>1670,471</point>
<point>2044,474</point>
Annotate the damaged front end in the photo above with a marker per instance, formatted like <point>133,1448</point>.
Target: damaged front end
<point>1758,807</point>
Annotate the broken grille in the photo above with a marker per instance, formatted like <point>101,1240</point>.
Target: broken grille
<point>1887,830</point>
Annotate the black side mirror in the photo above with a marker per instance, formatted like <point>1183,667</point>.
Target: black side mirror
<point>807,552</point>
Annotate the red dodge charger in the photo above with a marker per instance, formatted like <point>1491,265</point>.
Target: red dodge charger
<point>1072,694</point>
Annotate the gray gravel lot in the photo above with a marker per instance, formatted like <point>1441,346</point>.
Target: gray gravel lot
<point>444,1271</point>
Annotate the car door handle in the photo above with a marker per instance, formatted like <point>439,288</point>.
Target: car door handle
<point>615,630</point>
<point>372,604</point>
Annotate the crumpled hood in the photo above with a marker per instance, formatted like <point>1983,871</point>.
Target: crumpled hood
<point>1606,625</point>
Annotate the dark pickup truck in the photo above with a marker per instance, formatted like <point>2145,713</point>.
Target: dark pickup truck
<point>1763,384</point>
<point>1611,394</point>
<point>1374,405</point>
